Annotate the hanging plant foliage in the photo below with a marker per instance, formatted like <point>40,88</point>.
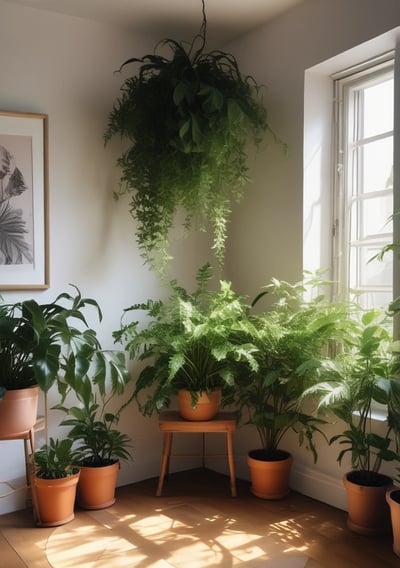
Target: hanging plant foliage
<point>188,120</point>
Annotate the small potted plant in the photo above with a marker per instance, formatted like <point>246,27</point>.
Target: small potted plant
<point>363,373</point>
<point>192,345</point>
<point>54,484</point>
<point>290,337</point>
<point>99,444</point>
<point>38,341</point>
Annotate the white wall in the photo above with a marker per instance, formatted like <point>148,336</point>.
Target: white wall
<point>63,66</point>
<point>266,237</point>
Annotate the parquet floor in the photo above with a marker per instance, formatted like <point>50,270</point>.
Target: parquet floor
<point>195,524</point>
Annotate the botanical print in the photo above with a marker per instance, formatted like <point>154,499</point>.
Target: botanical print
<point>16,202</point>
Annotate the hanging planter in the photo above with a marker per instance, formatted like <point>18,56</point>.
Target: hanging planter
<point>188,120</point>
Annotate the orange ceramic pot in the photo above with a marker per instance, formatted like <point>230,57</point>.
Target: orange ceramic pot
<point>96,489</point>
<point>368,511</point>
<point>393,500</point>
<point>208,405</point>
<point>269,477</point>
<point>18,411</point>
<point>54,500</point>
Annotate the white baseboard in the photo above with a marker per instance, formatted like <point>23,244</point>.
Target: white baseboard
<point>317,485</point>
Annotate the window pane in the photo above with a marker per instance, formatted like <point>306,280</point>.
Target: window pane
<point>371,217</point>
<point>378,108</point>
<point>364,184</point>
<point>375,215</point>
<point>378,165</point>
<point>372,276</point>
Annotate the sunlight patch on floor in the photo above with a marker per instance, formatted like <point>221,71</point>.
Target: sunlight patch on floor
<point>153,525</point>
<point>184,535</point>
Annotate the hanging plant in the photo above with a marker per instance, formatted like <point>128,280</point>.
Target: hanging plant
<point>188,120</point>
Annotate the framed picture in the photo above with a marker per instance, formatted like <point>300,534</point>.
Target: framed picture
<point>23,201</point>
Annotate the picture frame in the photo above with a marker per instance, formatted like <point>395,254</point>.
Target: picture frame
<point>24,239</point>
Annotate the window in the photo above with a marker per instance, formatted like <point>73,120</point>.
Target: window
<point>363,181</point>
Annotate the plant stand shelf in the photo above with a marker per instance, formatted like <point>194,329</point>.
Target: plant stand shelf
<point>29,444</point>
<point>170,422</point>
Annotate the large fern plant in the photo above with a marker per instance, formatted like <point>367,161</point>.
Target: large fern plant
<point>293,335</point>
<point>197,341</point>
<point>188,120</point>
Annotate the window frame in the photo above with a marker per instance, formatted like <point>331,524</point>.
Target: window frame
<point>318,116</point>
<point>346,118</point>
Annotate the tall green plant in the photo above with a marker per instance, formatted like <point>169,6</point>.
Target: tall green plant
<point>188,120</point>
<point>94,421</point>
<point>292,336</point>
<point>365,372</point>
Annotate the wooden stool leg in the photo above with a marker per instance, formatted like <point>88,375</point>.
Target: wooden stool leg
<point>29,448</point>
<point>165,461</point>
<point>231,463</point>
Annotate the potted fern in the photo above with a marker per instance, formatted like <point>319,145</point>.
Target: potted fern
<point>188,121</point>
<point>290,336</point>
<point>192,344</point>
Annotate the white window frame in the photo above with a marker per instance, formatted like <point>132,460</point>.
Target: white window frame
<point>318,143</point>
<point>347,170</point>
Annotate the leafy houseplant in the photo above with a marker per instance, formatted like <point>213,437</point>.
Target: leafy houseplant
<point>55,459</point>
<point>38,342</point>
<point>188,120</point>
<point>100,445</point>
<point>291,336</point>
<point>54,483</point>
<point>93,423</point>
<point>364,373</point>
<point>193,341</point>
<point>33,338</point>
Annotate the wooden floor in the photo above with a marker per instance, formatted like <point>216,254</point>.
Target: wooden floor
<point>195,524</point>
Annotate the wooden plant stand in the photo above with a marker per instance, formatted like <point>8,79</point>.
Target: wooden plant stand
<point>170,422</point>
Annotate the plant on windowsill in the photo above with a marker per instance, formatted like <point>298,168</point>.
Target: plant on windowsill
<point>290,336</point>
<point>364,373</point>
<point>193,343</point>
<point>189,120</point>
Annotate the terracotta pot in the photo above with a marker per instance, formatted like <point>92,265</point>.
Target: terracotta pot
<point>393,500</point>
<point>208,405</point>
<point>55,499</point>
<point>368,512</point>
<point>269,477</point>
<point>18,411</point>
<point>96,489</point>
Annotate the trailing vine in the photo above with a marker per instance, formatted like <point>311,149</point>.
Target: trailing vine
<point>188,120</point>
